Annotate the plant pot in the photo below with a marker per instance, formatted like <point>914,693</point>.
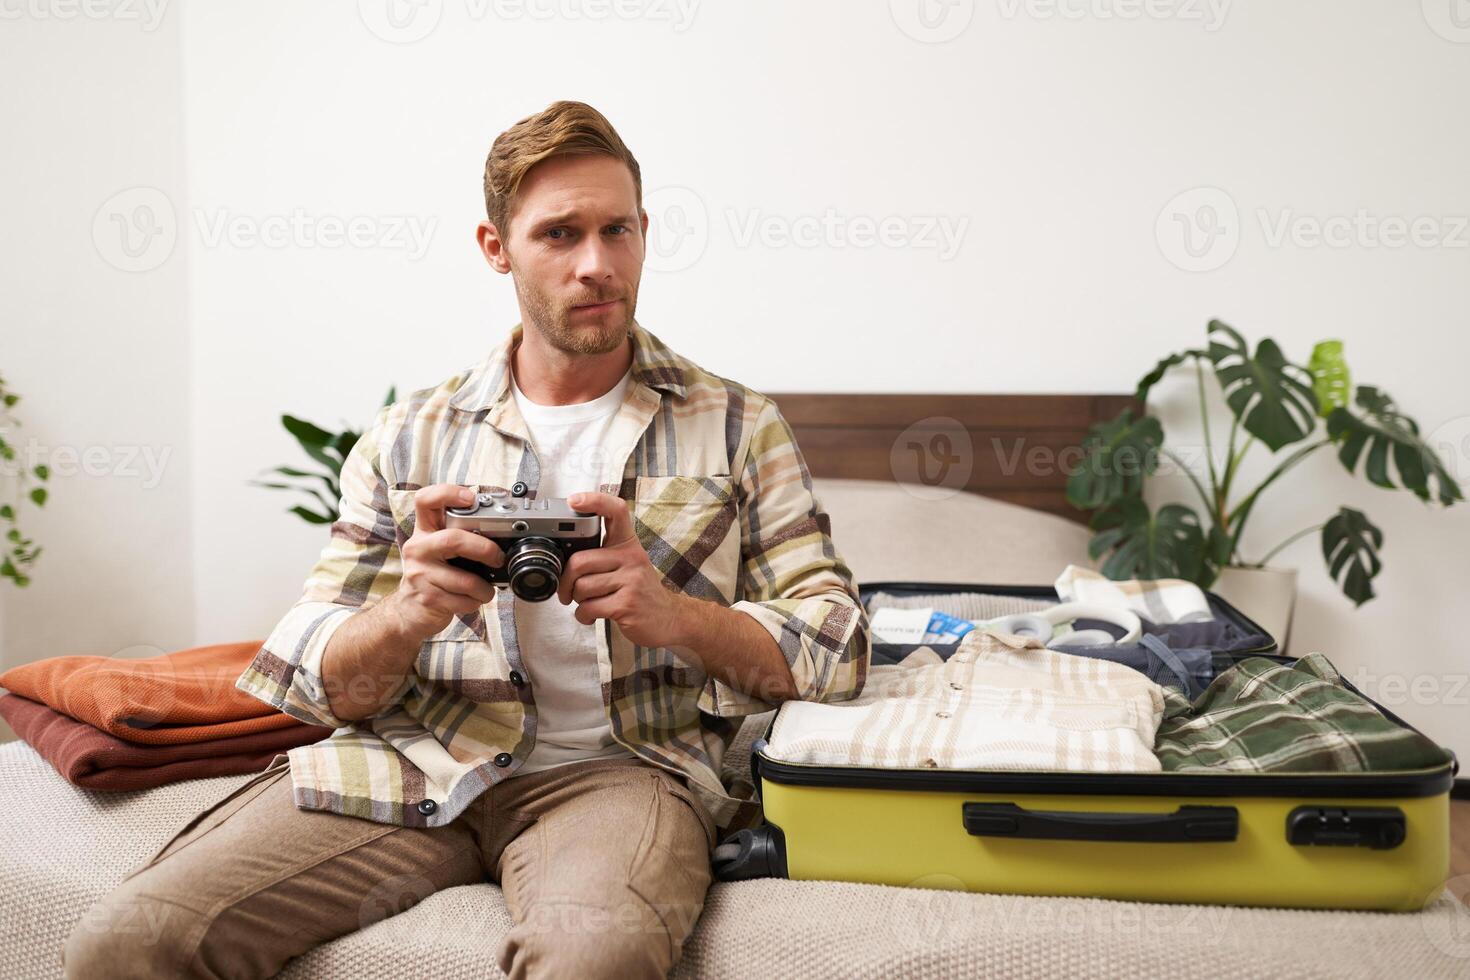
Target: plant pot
<point>1266,595</point>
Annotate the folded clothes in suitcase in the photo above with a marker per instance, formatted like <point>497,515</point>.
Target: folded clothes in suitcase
<point>994,764</point>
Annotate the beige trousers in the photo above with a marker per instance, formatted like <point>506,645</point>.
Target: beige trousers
<point>603,864</point>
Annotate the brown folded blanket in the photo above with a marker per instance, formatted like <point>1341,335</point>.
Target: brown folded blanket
<point>93,759</point>
<point>173,699</point>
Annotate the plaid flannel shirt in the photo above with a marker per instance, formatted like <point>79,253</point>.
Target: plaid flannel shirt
<point>1264,716</point>
<point>722,502</point>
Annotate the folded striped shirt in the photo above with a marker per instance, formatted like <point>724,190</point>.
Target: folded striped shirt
<point>722,501</point>
<point>996,702</point>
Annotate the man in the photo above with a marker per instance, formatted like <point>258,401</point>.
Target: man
<point>569,749</point>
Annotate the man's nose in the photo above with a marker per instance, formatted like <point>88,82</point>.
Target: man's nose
<point>594,261</point>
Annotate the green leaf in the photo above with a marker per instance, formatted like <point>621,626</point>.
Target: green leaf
<point>344,442</point>
<point>314,440</point>
<point>6,452</point>
<point>1219,546</point>
<point>1147,382</point>
<point>38,496</point>
<point>1386,433</point>
<point>10,400</point>
<point>42,471</point>
<point>1116,456</point>
<point>1169,544</point>
<point>305,432</point>
<point>7,512</point>
<point>1273,399</point>
<point>392,396</point>
<point>311,516</point>
<point>328,480</point>
<point>14,534</point>
<point>1331,380</point>
<point>1350,544</point>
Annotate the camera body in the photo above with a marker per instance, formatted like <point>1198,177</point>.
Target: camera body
<point>538,538</point>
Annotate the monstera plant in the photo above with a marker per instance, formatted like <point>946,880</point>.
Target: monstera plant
<point>329,451</point>
<point>1289,408</point>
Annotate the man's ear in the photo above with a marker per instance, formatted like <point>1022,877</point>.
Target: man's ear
<point>492,246</point>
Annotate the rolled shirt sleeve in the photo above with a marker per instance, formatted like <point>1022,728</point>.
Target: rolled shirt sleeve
<point>359,565</point>
<point>793,581</point>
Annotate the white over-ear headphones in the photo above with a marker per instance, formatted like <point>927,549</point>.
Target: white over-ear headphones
<point>1043,624</point>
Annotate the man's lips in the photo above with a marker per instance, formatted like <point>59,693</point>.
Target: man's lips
<point>597,307</point>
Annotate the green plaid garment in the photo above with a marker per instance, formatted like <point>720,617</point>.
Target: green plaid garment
<point>722,502</point>
<point>1263,716</point>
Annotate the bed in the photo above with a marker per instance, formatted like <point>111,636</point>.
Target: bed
<point>64,847</point>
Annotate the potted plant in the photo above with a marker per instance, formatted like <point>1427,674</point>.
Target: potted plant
<point>1275,403</point>
<point>19,552</point>
<point>329,450</point>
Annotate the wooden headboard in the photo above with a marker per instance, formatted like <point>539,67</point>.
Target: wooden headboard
<point>1020,447</point>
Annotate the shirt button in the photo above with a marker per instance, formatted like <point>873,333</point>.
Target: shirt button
<point>503,759</point>
<point>427,807</point>
<point>517,679</point>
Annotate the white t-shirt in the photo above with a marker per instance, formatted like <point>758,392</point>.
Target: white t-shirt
<point>559,653</point>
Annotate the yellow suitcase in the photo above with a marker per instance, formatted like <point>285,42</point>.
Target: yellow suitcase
<point>1331,840</point>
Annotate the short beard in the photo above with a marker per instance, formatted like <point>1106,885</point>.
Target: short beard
<point>553,321</point>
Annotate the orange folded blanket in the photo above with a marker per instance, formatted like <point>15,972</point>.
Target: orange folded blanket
<point>93,759</point>
<point>173,699</point>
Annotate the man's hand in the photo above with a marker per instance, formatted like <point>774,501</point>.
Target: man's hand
<point>432,592</point>
<point>618,581</point>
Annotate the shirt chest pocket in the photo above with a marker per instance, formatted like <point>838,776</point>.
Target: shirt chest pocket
<point>690,527</point>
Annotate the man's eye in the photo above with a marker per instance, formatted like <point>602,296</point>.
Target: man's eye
<point>556,234</point>
<point>617,229</point>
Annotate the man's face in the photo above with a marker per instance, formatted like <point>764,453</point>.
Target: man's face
<point>575,251</point>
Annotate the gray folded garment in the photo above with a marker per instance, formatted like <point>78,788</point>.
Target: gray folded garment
<point>1177,655</point>
<point>966,605</point>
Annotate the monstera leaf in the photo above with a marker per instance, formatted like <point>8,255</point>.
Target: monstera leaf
<point>1385,433</point>
<point>1168,544</point>
<point>1350,544</point>
<point>1331,380</point>
<point>1147,382</point>
<point>1116,456</point>
<point>1272,398</point>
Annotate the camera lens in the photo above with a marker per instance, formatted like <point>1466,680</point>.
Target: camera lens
<point>534,569</point>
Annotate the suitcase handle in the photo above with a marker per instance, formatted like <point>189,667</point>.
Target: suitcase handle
<point>1188,824</point>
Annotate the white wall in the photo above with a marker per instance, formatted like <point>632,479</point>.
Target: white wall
<point>98,350</point>
<point>1052,142</point>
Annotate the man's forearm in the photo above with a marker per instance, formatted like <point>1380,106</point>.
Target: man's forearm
<point>366,661</point>
<point>732,646</point>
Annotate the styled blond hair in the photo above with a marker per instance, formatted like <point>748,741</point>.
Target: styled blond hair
<point>561,129</point>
